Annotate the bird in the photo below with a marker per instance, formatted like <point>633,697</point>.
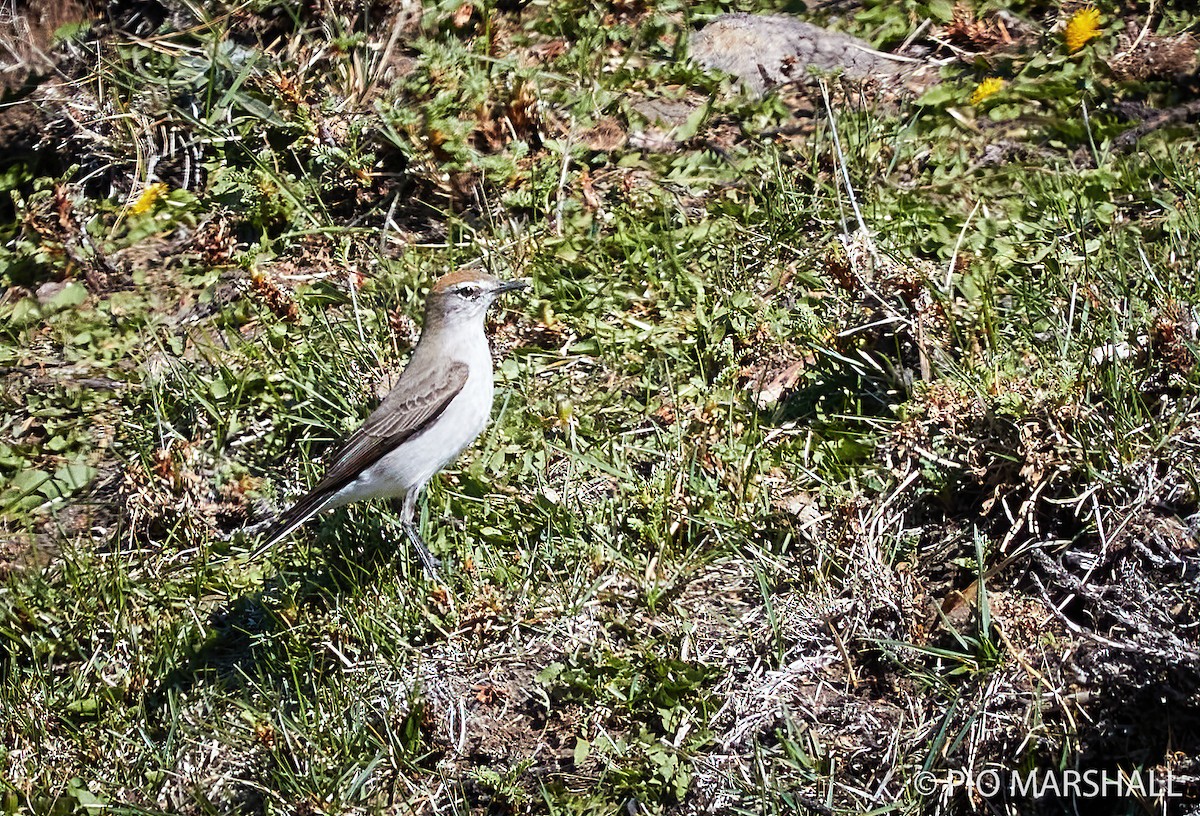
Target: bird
<point>440,404</point>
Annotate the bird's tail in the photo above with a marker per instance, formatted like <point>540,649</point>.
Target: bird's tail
<point>292,518</point>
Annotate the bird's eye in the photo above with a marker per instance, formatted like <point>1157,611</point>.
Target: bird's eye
<point>469,292</point>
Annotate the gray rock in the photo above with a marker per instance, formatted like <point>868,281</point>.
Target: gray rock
<point>771,49</point>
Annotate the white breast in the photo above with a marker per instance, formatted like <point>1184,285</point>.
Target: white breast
<point>415,462</point>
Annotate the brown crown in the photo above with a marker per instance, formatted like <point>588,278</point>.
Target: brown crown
<point>446,281</point>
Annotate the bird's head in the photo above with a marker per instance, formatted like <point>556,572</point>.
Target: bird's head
<point>464,296</point>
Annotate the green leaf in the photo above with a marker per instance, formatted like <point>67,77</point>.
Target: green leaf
<point>939,95</point>
<point>692,126</point>
<point>550,673</point>
<point>24,312</point>
<point>27,484</point>
<point>86,799</point>
<point>71,295</point>
<point>75,476</point>
<point>582,749</point>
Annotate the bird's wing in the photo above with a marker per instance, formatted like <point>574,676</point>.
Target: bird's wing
<point>411,406</point>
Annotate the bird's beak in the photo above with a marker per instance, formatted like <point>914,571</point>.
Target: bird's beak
<point>512,286</point>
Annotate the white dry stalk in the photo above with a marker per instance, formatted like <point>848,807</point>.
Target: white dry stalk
<point>388,222</point>
<point>916,32</point>
<point>962,233</point>
<point>561,201</point>
<point>362,337</point>
<point>1141,34</point>
<point>837,145</point>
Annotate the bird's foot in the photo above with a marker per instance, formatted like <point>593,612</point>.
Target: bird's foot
<point>429,562</point>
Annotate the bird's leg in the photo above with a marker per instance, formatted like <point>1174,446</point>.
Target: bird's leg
<point>428,561</point>
<point>408,521</point>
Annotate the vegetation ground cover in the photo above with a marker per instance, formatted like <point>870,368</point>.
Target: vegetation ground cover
<point>849,431</point>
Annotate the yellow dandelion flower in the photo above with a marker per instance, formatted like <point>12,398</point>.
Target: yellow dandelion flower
<point>988,87</point>
<point>148,198</point>
<point>1084,25</point>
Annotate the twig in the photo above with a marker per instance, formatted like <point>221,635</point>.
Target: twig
<point>1072,625</point>
<point>915,33</point>
<point>381,65</point>
<point>1178,649</point>
<point>837,639</point>
<point>1024,515</point>
<point>1158,119</point>
<point>877,516</point>
<point>1145,29</point>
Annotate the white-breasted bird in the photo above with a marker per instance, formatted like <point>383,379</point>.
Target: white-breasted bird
<point>440,404</point>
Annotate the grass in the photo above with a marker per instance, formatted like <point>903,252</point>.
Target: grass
<point>772,515</point>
